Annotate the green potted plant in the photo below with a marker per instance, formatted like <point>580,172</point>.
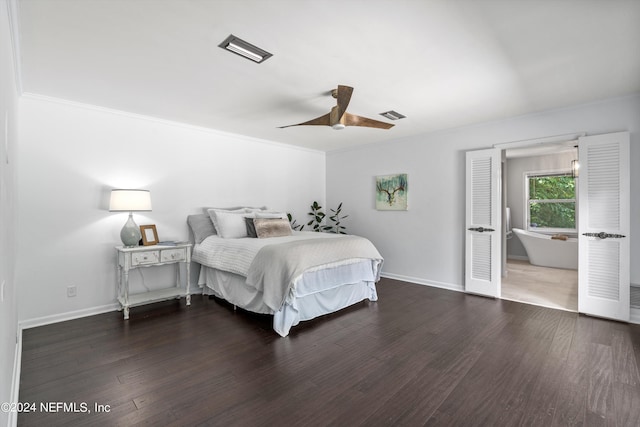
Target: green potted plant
<point>336,219</point>
<point>294,224</point>
<point>317,217</point>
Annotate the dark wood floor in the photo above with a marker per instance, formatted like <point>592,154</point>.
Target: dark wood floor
<point>419,356</point>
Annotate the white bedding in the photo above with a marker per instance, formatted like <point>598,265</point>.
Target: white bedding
<point>236,255</point>
<point>273,265</point>
<point>325,283</point>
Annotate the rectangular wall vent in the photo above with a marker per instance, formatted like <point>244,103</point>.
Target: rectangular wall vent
<point>392,115</point>
<point>635,296</point>
<point>245,49</point>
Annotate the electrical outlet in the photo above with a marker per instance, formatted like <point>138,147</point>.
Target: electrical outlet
<point>72,291</point>
<point>4,282</point>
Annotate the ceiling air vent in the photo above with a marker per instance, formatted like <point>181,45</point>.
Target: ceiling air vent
<point>245,49</point>
<point>392,115</point>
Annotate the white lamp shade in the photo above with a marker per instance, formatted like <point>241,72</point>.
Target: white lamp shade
<point>130,200</point>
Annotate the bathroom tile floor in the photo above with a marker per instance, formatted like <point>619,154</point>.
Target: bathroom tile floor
<point>547,287</point>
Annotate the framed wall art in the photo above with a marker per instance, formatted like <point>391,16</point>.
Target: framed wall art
<point>391,192</point>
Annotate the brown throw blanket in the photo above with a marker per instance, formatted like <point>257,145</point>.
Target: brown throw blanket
<point>276,267</point>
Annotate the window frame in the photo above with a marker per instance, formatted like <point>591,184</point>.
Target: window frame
<point>527,202</point>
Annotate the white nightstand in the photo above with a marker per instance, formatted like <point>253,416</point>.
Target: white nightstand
<point>151,256</point>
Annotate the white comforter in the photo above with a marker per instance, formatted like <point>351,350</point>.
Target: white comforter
<point>273,265</point>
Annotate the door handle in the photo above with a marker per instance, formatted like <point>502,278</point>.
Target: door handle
<point>603,235</point>
<point>481,229</point>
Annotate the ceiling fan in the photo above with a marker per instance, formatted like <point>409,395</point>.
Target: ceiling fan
<point>338,118</point>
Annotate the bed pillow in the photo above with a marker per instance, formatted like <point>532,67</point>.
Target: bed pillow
<point>263,208</point>
<point>201,226</point>
<point>272,227</point>
<point>229,225</point>
<point>268,214</point>
<point>239,209</point>
<point>230,210</point>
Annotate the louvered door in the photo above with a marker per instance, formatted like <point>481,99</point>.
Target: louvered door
<point>604,226</point>
<point>482,223</point>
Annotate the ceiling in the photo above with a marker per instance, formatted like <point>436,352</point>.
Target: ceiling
<point>443,64</point>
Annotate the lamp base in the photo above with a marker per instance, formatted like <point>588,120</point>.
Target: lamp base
<point>130,233</point>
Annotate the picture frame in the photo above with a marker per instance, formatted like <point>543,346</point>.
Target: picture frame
<point>149,235</point>
<point>392,192</point>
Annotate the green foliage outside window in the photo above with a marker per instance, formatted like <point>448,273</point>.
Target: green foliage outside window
<point>552,202</point>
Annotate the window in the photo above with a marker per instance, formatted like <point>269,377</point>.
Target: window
<point>551,202</point>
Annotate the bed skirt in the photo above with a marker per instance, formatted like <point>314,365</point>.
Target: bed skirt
<point>316,293</point>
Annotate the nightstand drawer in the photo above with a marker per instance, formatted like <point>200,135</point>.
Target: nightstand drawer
<point>169,255</point>
<point>142,258</point>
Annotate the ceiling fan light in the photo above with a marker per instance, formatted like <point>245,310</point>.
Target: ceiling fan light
<point>338,126</point>
<point>245,49</point>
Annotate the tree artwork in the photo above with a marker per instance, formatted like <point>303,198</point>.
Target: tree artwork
<point>391,192</point>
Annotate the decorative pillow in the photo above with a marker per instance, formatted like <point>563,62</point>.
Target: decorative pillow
<point>229,225</point>
<point>251,228</point>
<point>201,226</point>
<point>272,227</point>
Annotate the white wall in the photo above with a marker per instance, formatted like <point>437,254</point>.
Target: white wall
<point>426,243</point>
<point>8,209</point>
<point>72,156</point>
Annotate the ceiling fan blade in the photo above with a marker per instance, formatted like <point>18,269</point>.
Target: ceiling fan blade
<point>353,120</point>
<point>318,121</point>
<point>343,97</point>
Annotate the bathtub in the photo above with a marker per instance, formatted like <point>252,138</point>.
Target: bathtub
<point>544,251</point>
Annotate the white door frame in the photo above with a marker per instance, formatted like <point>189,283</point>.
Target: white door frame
<point>619,311</point>
<point>491,283</point>
<point>541,144</point>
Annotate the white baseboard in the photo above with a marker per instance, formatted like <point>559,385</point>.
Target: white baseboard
<point>435,284</point>
<point>41,321</point>
<point>55,318</point>
<point>634,315</point>
<point>15,378</point>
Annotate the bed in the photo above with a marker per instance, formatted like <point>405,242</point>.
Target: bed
<point>251,258</point>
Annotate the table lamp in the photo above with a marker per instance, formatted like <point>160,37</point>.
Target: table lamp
<point>130,201</point>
